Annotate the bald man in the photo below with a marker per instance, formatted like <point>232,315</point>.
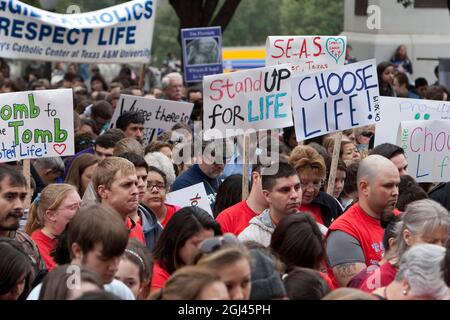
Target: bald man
<point>355,239</point>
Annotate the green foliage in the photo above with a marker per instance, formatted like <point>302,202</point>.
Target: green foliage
<point>166,33</point>
<point>311,17</point>
<point>253,21</point>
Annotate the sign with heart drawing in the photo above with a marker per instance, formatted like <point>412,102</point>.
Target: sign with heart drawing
<point>36,124</point>
<point>306,54</point>
<point>336,48</point>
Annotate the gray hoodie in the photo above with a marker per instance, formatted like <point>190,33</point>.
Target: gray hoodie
<point>260,229</point>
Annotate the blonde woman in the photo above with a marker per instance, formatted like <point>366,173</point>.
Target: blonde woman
<point>50,212</point>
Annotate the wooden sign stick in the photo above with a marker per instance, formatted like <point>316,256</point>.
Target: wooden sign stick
<point>27,173</point>
<point>245,167</point>
<point>334,163</point>
<point>142,77</point>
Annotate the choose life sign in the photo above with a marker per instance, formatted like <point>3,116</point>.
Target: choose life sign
<point>334,100</point>
<point>306,54</point>
<point>36,124</point>
<point>427,149</point>
<point>249,100</point>
<point>158,114</point>
<point>119,34</point>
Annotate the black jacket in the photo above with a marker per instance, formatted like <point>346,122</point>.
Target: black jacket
<point>329,206</point>
<point>441,194</point>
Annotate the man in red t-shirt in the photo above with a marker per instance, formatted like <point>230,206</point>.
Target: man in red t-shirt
<point>236,218</point>
<point>116,185</point>
<point>355,239</point>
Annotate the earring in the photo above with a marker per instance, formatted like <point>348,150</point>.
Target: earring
<point>405,292</point>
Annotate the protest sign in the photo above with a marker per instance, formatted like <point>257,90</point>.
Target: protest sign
<point>247,100</point>
<point>191,196</point>
<point>119,34</point>
<point>334,100</point>
<point>306,54</point>
<point>36,124</point>
<point>158,114</point>
<point>394,110</point>
<point>427,149</point>
<point>202,52</point>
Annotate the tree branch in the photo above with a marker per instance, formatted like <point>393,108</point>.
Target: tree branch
<point>208,11</point>
<point>225,14</point>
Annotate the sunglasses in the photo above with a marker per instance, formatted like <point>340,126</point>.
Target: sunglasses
<point>213,244</point>
<point>367,134</point>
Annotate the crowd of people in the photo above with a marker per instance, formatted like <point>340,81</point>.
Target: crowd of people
<point>97,225</point>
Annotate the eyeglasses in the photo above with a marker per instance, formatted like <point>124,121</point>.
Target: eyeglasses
<point>213,244</point>
<point>158,185</point>
<point>315,185</point>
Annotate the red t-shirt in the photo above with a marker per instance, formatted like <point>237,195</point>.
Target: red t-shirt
<point>378,277</point>
<point>236,218</point>
<point>170,212</point>
<point>45,245</point>
<point>327,280</point>
<point>314,210</point>
<point>159,276</point>
<point>366,230</point>
<point>135,231</point>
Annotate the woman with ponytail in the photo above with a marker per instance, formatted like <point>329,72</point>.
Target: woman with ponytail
<point>49,214</point>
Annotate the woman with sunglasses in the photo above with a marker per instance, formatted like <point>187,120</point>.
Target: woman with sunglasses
<point>311,169</point>
<point>155,196</point>
<point>49,214</point>
<point>178,242</point>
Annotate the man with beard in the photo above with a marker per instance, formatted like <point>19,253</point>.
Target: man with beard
<point>355,239</point>
<point>116,185</point>
<point>13,193</point>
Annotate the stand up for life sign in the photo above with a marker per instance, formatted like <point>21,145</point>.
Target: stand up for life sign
<point>306,54</point>
<point>427,149</point>
<point>238,102</point>
<point>36,124</point>
<point>202,52</point>
<point>335,100</point>
<point>119,34</point>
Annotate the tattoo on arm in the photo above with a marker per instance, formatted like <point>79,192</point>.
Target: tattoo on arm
<point>345,272</point>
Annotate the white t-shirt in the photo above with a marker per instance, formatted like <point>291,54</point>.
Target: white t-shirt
<point>116,287</point>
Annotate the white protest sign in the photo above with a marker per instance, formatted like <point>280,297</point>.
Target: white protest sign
<point>306,54</point>
<point>247,100</point>
<point>36,124</point>
<point>339,99</point>
<point>119,34</point>
<point>395,110</point>
<point>158,114</point>
<point>427,149</point>
<point>191,196</point>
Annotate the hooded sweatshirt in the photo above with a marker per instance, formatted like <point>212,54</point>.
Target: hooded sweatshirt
<point>260,229</point>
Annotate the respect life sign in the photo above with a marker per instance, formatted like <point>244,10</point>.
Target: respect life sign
<point>248,100</point>
<point>158,114</point>
<point>306,54</point>
<point>427,149</point>
<point>36,124</point>
<point>334,100</point>
<point>119,34</point>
